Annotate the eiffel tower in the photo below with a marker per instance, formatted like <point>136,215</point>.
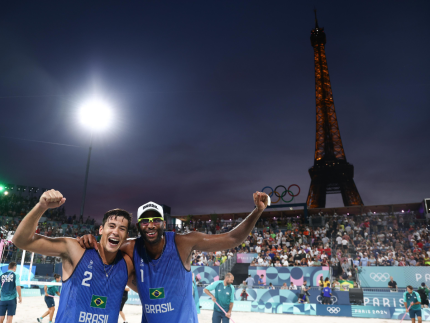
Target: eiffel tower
<point>331,173</point>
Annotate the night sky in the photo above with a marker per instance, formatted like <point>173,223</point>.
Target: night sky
<point>213,100</point>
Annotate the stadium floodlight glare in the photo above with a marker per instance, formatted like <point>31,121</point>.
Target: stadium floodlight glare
<point>1,188</point>
<point>96,114</point>
<point>6,193</point>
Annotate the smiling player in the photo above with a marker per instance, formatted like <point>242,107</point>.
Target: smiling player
<point>94,281</point>
<point>162,261</point>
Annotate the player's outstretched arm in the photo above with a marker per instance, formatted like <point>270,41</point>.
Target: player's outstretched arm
<point>25,236</point>
<point>210,243</point>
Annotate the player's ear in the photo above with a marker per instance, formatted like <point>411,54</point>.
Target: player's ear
<point>101,229</point>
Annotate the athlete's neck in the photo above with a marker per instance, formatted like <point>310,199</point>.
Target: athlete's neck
<point>107,257</point>
<point>155,250</point>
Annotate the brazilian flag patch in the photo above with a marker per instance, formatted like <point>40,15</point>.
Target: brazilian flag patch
<point>98,301</point>
<point>156,293</point>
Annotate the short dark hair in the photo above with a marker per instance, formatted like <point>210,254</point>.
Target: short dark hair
<point>56,276</point>
<point>12,264</point>
<point>410,287</point>
<point>115,213</point>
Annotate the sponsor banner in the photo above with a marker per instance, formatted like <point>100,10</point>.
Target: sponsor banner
<point>374,276</point>
<point>206,274</point>
<point>373,311</point>
<point>383,299</point>
<point>334,310</point>
<point>241,306</point>
<point>285,302</point>
<point>31,292</point>
<point>246,258</point>
<point>280,275</point>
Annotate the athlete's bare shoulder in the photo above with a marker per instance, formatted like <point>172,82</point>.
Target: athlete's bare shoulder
<point>128,247</point>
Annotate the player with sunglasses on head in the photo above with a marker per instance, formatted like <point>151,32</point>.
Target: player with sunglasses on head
<point>162,261</point>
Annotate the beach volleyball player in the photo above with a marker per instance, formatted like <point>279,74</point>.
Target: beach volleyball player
<point>162,261</point>
<point>93,281</point>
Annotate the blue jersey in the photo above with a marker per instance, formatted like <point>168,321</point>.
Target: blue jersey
<point>9,282</point>
<point>165,286</point>
<point>88,295</point>
<point>326,291</point>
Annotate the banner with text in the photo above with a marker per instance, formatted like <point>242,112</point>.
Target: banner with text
<point>384,299</point>
<point>246,258</point>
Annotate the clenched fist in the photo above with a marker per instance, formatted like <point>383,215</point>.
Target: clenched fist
<point>51,199</point>
<point>261,200</point>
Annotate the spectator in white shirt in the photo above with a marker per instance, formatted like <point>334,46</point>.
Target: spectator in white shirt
<point>345,244</point>
<point>292,286</point>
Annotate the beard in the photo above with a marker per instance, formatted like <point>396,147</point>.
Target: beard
<point>160,232</point>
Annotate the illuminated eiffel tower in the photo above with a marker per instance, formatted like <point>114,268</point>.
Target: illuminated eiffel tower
<point>331,173</point>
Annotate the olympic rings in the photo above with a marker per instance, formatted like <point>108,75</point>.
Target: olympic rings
<point>281,196</point>
<point>333,310</point>
<point>333,299</point>
<point>380,277</point>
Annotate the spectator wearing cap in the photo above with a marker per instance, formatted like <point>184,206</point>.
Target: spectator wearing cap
<point>424,294</point>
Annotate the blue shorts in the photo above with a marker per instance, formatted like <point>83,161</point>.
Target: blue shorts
<point>412,313</point>
<point>49,301</point>
<point>219,317</point>
<point>9,306</point>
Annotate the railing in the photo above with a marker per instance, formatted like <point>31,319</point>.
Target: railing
<point>226,267</point>
<point>383,289</point>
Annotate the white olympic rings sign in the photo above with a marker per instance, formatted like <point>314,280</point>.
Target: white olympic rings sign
<point>378,277</point>
<point>333,310</point>
<point>332,298</point>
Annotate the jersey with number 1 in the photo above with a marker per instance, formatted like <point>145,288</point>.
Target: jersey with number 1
<point>165,286</point>
<point>93,293</point>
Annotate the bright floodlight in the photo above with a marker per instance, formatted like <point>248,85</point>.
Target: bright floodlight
<point>96,114</point>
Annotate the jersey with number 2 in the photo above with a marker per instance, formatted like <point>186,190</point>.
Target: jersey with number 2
<point>93,293</point>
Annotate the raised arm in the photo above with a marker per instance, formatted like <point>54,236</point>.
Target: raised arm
<point>25,236</point>
<point>209,243</point>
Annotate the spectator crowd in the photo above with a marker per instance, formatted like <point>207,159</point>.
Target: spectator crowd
<point>343,242</point>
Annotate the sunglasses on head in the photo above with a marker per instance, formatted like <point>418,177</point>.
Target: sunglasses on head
<point>145,221</point>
